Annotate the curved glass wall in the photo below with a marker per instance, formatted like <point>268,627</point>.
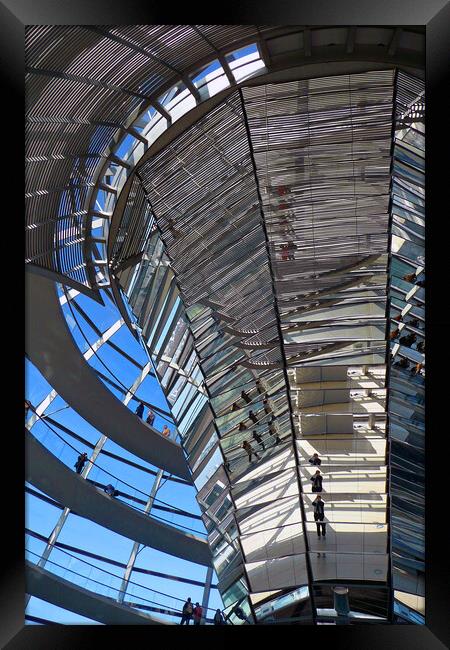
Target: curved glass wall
<point>125,368</point>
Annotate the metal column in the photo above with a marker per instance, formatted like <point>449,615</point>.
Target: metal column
<point>136,545</point>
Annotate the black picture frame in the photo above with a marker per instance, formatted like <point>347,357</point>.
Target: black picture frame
<point>435,15</point>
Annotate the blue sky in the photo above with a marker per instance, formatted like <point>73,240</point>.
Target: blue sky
<point>84,534</point>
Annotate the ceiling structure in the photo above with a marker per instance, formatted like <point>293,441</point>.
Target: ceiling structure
<point>253,241</point>
<point>79,108</point>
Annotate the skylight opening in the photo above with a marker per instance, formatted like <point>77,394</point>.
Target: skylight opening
<point>245,62</point>
<point>177,101</point>
<point>211,80</point>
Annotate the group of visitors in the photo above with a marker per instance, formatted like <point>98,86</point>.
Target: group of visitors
<point>151,418</point>
<point>196,612</point>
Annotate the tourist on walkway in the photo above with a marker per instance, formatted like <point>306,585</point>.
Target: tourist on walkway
<point>140,410</point>
<point>218,618</point>
<point>187,612</point>
<point>198,611</point>
<point>81,461</point>
<point>150,417</point>
<point>166,431</point>
<point>315,460</point>
<point>110,491</point>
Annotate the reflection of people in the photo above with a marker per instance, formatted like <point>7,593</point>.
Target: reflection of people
<point>245,397</point>
<point>317,482</point>
<point>248,448</point>
<point>261,386</point>
<point>315,460</point>
<point>253,417</point>
<point>291,248</point>
<point>408,340</point>
<point>402,363</point>
<point>175,232</point>
<point>258,438</point>
<point>267,406</point>
<point>284,252</point>
<point>239,612</point>
<point>319,513</point>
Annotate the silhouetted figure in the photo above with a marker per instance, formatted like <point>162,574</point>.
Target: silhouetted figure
<point>319,513</point>
<point>284,252</point>
<point>261,386</point>
<point>277,440</point>
<point>402,363</point>
<point>242,426</point>
<point>315,460</point>
<point>421,346</point>
<point>110,491</point>
<point>218,618</point>
<point>291,250</point>
<point>267,406</point>
<point>253,417</point>
<point>258,438</point>
<point>287,218</point>
<point>81,461</point>
<point>410,277</point>
<point>273,428</point>
<point>398,318</point>
<point>166,431</point>
<point>418,367</point>
<point>228,467</point>
<point>235,407</point>
<point>408,340</point>
<point>394,334</point>
<point>187,612</point>
<point>140,410</point>
<point>414,322</point>
<point>150,417</point>
<point>421,283</point>
<point>27,407</point>
<point>239,612</point>
<point>198,611</point>
<point>174,231</point>
<point>248,448</point>
<point>317,482</point>
<point>245,397</point>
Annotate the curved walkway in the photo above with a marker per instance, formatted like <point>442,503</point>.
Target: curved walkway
<point>50,346</point>
<point>58,591</point>
<point>48,474</point>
